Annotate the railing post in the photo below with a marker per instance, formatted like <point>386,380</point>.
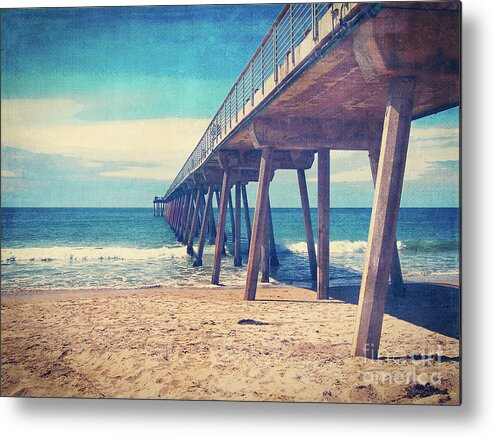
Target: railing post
<point>262,69</point>
<point>252,90</point>
<point>236,102</point>
<point>274,53</point>
<point>230,117</point>
<point>243,93</point>
<point>314,22</point>
<point>291,32</point>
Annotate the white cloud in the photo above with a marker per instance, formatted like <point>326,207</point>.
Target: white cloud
<point>428,148</point>
<point>50,127</point>
<point>7,174</point>
<point>157,148</point>
<point>38,112</point>
<point>158,173</point>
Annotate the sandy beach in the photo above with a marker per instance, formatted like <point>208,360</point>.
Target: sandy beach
<point>211,344</point>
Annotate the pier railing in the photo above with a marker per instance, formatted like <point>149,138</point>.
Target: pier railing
<point>295,24</point>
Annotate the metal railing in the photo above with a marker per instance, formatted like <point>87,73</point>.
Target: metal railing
<point>295,23</point>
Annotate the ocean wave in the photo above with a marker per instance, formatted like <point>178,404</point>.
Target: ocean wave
<point>338,246</point>
<point>346,246</point>
<point>90,253</point>
<point>430,246</point>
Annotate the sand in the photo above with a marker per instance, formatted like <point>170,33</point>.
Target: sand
<point>190,344</point>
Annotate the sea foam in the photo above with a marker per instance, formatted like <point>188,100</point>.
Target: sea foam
<point>58,253</point>
<point>337,246</point>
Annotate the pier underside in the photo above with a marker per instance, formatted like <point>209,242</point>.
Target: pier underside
<point>355,86</point>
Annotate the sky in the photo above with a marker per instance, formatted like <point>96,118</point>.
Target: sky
<point>102,106</point>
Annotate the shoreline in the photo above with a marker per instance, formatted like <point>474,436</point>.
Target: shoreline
<point>435,278</point>
<point>208,343</point>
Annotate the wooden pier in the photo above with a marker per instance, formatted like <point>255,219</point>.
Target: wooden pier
<point>327,76</point>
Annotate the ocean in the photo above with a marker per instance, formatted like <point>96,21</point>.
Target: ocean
<point>83,248</point>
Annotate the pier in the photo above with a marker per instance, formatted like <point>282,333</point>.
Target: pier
<point>327,76</point>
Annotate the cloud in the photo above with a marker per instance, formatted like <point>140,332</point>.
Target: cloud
<point>51,127</point>
<point>158,173</point>
<point>155,149</point>
<point>17,113</point>
<point>7,174</point>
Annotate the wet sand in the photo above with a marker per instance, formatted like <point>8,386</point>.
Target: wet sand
<point>211,344</point>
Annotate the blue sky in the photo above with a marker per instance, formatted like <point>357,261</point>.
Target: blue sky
<point>101,106</point>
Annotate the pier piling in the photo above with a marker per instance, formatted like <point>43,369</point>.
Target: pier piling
<point>221,223</point>
<point>259,221</point>
<point>323,223</point>
<point>383,223</point>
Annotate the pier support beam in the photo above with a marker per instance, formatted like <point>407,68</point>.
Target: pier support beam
<point>193,226</point>
<point>305,205</point>
<point>237,258</point>
<point>212,223</point>
<point>323,223</point>
<point>259,223</point>
<point>383,223</point>
<point>189,217</point>
<point>186,206</point>
<point>395,272</point>
<point>221,224</point>
<point>247,214</point>
<point>203,228</point>
<point>180,218</point>
<point>265,249</point>
<point>274,260</point>
<point>218,201</point>
<point>231,217</point>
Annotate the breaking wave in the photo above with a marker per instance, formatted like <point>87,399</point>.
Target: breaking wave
<point>90,253</point>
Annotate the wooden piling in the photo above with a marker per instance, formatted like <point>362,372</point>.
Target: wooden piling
<point>191,234</point>
<point>237,257</point>
<point>274,260</point>
<point>203,228</point>
<point>212,225</point>
<point>259,221</point>
<point>265,250</point>
<point>186,206</point>
<point>189,217</point>
<point>323,223</point>
<point>395,272</point>
<point>231,217</point>
<point>218,201</point>
<point>221,224</point>
<point>305,205</point>
<point>247,214</point>
<point>383,223</point>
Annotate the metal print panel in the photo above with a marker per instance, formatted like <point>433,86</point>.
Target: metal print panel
<point>237,202</point>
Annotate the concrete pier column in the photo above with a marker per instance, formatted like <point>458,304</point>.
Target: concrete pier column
<point>395,272</point>
<point>231,217</point>
<point>221,224</point>
<point>237,257</point>
<point>305,205</point>
<point>259,222</point>
<point>203,228</point>
<point>189,217</point>
<point>247,214</point>
<point>218,201</point>
<point>323,223</point>
<point>186,206</point>
<point>173,215</point>
<point>212,224</point>
<point>274,260</point>
<point>193,225</point>
<point>383,223</point>
<point>265,249</point>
